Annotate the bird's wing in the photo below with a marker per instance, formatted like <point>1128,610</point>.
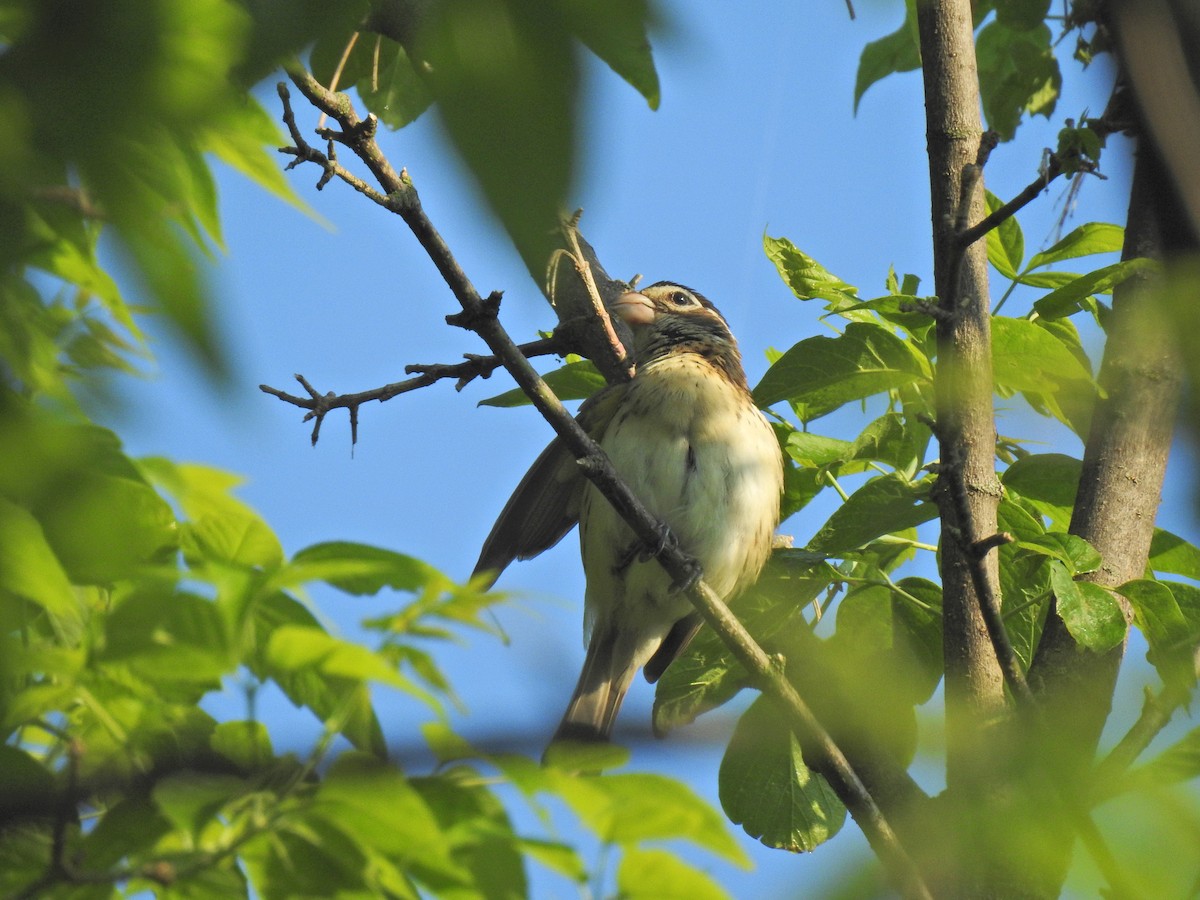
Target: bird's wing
<point>545,505</point>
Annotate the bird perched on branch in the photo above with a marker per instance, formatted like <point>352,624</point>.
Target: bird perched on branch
<point>687,438</point>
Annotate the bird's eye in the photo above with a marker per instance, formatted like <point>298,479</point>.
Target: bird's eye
<point>682,298</point>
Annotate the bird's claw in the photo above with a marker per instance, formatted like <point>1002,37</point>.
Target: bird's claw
<point>689,578</point>
<point>644,551</point>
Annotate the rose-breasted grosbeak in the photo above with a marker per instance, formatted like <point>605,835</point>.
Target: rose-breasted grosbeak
<point>686,436</point>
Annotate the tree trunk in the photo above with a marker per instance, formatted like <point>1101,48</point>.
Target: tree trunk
<point>1119,492</point>
<point>975,699</point>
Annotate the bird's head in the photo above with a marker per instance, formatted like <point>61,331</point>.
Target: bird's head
<point>669,318</point>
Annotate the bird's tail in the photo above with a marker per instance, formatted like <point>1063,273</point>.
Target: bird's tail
<point>601,688</point>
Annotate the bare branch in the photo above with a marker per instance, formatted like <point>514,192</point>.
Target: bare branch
<point>474,366</point>
<point>479,315</point>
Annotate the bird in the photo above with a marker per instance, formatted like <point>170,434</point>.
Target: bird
<point>686,436</point>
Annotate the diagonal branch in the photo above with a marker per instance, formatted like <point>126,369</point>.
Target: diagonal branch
<point>479,315</point>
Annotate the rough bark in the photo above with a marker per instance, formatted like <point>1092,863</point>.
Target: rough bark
<point>1119,491</point>
<point>965,421</point>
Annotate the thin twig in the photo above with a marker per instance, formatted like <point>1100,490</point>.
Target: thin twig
<point>480,315</point>
<point>474,366</point>
<point>967,236</point>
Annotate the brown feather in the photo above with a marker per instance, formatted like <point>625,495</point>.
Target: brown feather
<point>545,505</point>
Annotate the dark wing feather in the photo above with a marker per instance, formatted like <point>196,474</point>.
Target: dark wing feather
<point>545,505</point>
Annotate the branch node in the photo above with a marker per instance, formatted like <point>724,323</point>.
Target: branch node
<point>473,317</point>
<point>983,546</point>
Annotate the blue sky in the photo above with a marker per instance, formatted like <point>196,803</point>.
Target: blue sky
<point>755,135</point>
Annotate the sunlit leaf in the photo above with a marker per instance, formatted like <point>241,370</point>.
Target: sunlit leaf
<point>767,789</point>
<point>660,875</point>
<point>897,52</point>
<point>574,381</point>
<point>819,374</point>
<point>1086,240</point>
<point>883,505</point>
<point>1005,243</point>
<point>30,570</point>
<point>1092,615</point>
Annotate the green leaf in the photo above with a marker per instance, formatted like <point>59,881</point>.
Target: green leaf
<point>192,799</point>
<point>294,648</point>
<point>176,641</point>
<point>1092,615</point>
<point>479,833</point>
<point>246,139</point>
<point>508,67</point>
<point>1171,553</point>
<point>396,93</point>
<point>893,440</point>
<point>372,801</point>
<point>1074,552</point>
<point>1048,481</point>
<point>807,278</point>
<point>1022,15</point>
<point>357,569</point>
<point>767,789</point>
<point>1156,613</point>
<point>660,875</point>
<point>615,30</point>
<point>810,449</point>
<point>246,744</point>
<point>1005,243</point>
<point>1070,298</point>
<point>30,570</point>
<point>819,374</point>
<point>346,700</point>
<point>222,528</point>
<point>574,381</point>
<point>882,506</point>
<point>1028,357</point>
<point>1178,763</point>
<point>1086,240</point>
<point>627,809</point>
<point>899,51</point>
<point>1018,74</point>
<point>26,786</point>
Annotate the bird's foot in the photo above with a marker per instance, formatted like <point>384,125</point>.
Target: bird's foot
<point>644,551</point>
<point>688,578</point>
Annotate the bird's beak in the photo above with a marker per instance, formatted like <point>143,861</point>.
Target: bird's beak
<point>634,308</point>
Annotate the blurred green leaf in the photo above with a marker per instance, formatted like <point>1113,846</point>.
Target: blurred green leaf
<point>660,875</point>
<point>819,374</point>
<point>176,641</point>
<point>627,809</point>
<point>192,799</point>
<point>292,648</point>
<point>509,67</point>
<point>373,801</point>
<point>478,831</point>
<point>615,30</point>
<point>30,570</point>
<point>327,696</point>
<point>246,744</point>
<point>1171,642</point>
<point>767,789</point>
